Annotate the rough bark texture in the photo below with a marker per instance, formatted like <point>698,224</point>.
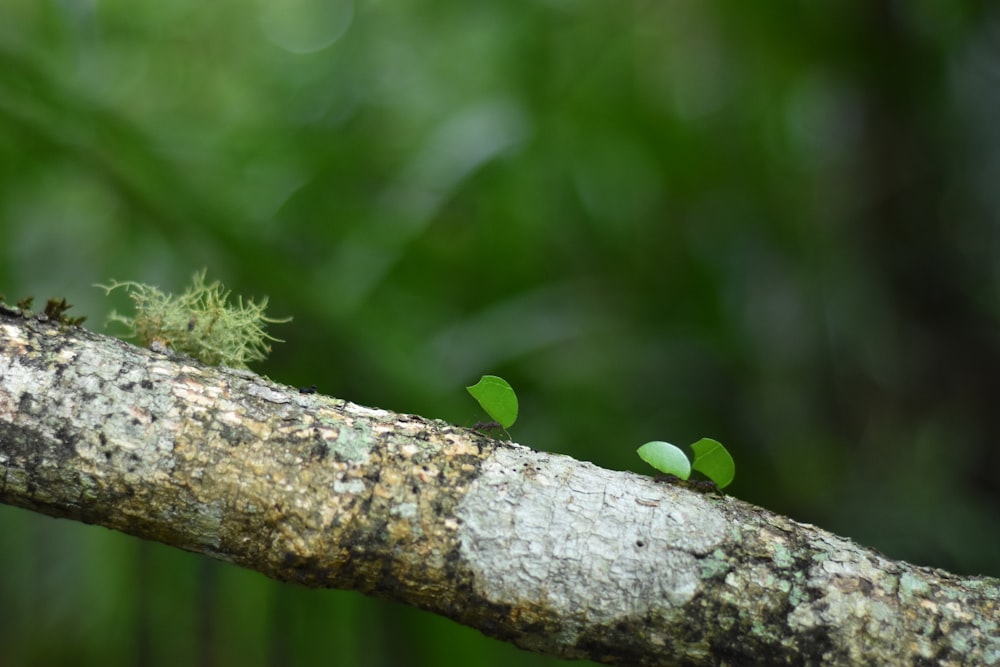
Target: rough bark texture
<point>552,554</point>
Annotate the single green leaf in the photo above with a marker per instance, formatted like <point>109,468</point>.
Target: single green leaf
<point>497,397</point>
<point>714,461</point>
<point>666,458</point>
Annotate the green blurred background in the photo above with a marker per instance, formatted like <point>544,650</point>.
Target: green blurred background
<point>770,223</point>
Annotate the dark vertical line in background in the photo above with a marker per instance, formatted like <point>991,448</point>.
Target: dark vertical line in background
<point>143,621</point>
<point>207,609</point>
<point>279,626</point>
<point>909,159</point>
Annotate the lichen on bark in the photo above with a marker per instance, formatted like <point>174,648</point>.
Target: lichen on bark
<point>201,322</point>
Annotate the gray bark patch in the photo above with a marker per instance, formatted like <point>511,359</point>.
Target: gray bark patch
<point>581,539</point>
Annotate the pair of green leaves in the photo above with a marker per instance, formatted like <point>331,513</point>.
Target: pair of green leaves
<point>710,459</point>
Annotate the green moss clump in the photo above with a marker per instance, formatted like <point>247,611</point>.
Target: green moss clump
<point>199,323</point>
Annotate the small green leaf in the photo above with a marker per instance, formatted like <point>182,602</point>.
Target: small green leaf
<point>666,458</point>
<point>714,461</point>
<point>497,397</point>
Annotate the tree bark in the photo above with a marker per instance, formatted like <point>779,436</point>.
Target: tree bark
<point>552,554</point>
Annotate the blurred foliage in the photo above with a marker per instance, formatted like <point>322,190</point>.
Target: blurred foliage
<point>775,225</point>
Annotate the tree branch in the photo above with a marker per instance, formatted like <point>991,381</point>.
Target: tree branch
<point>549,553</point>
